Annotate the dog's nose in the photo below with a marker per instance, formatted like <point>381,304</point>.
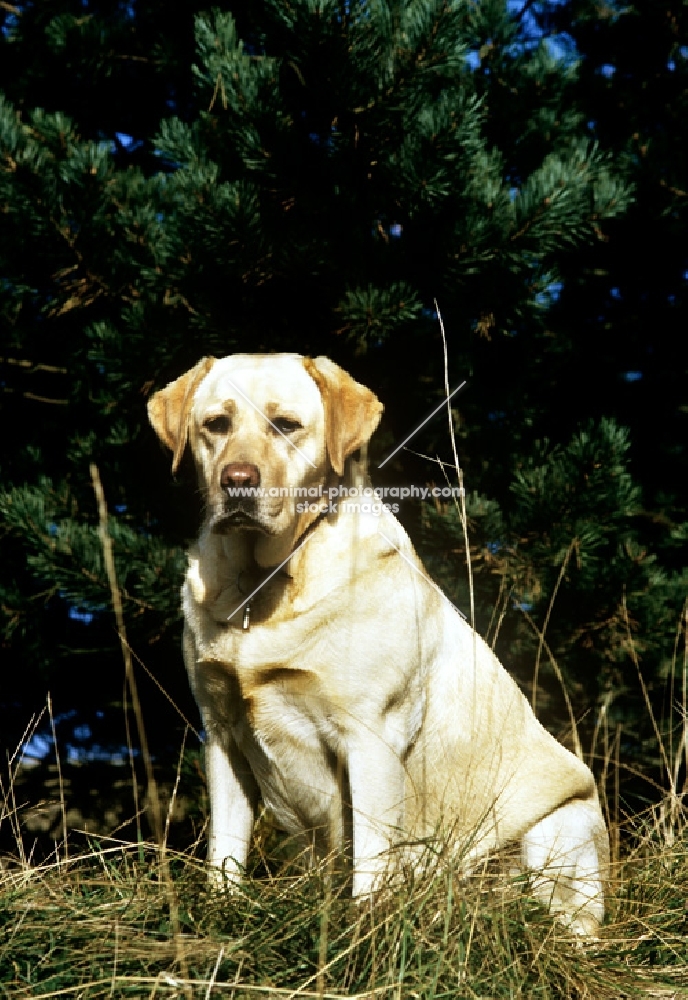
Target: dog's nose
<point>240,474</point>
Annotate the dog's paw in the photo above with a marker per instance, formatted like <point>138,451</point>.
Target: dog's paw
<point>224,876</point>
<point>585,926</point>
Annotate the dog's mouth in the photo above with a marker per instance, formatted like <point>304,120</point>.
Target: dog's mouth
<point>232,515</point>
<point>228,513</point>
<point>227,520</point>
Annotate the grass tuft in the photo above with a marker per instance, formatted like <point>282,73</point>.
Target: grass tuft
<point>99,925</point>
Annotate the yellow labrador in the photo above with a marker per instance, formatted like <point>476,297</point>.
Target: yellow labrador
<point>333,679</point>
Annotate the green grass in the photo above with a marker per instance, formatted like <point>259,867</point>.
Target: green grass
<point>120,921</point>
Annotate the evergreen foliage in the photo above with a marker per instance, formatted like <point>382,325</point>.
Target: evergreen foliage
<point>624,300</point>
<point>312,177</point>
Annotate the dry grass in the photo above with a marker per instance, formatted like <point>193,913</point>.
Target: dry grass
<point>99,925</point>
<point>139,920</point>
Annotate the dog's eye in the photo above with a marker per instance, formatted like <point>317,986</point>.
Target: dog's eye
<point>217,425</point>
<point>286,425</point>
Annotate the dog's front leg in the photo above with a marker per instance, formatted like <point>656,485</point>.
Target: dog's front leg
<point>233,796</point>
<point>376,781</point>
<point>232,788</point>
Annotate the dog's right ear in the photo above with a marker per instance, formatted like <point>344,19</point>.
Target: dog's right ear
<point>170,408</point>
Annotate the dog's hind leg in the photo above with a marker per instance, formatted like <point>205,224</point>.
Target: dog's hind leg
<point>567,855</point>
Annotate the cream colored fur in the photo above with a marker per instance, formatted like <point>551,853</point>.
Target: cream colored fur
<point>358,701</point>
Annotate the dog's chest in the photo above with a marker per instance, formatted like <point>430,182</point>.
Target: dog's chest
<point>304,687</point>
<point>291,734</point>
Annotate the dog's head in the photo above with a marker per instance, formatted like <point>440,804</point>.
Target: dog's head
<point>263,429</point>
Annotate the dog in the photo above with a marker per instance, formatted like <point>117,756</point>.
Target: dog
<point>334,680</point>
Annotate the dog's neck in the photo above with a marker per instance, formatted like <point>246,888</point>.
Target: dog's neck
<point>273,550</point>
<point>261,560</point>
<point>250,580</point>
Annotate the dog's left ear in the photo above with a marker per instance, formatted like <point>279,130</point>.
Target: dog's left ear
<point>170,408</point>
<point>352,412</point>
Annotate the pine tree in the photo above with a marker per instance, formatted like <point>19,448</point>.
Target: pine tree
<point>624,299</point>
<point>323,173</point>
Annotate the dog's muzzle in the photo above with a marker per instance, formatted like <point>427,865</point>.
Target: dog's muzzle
<point>239,482</point>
